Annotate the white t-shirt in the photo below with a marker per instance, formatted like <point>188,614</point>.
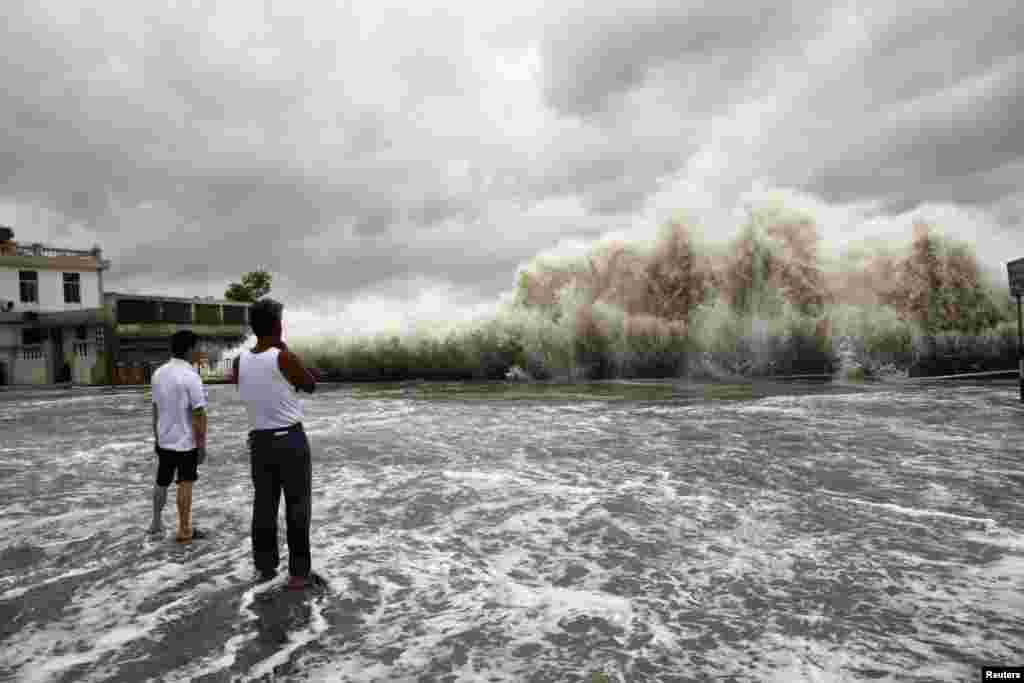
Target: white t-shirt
<point>177,391</point>
<point>269,398</point>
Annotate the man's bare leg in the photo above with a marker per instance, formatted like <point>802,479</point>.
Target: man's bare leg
<point>184,512</point>
<point>159,501</point>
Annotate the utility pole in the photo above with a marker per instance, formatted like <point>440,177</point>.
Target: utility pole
<point>1020,347</point>
<point>1015,270</point>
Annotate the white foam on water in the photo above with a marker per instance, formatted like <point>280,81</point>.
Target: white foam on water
<point>1002,582</point>
<point>511,497</point>
<point>73,525</point>
<point>872,396</point>
<point>925,434</point>
<point>218,664</point>
<point>1004,472</point>
<point>800,660</point>
<point>936,494</point>
<point>489,479</point>
<point>529,521</point>
<point>558,602</point>
<point>916,561</point>
<point>228,655</point>
<point>114,636</point>
<point>354,669</point>
<point>112,611</point>
<point>124,445</point>
<point>327,426</point>
<point>17,509</point>
<point>1001,537</point>
<point>986,522</point>
<point>18,592</point>
<point>295,640</point>
<point>988,589</point>
<point>771,407</point>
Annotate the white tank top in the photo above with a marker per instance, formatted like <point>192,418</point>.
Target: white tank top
<point>269,398</point>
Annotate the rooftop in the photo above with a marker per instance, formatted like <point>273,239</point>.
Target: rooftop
<point>179,299</point>
<point>41,255</point>
<point>39,249</point>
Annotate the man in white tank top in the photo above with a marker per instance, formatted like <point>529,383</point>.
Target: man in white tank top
<point>268,377</point>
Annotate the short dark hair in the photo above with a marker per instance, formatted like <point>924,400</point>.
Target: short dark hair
<point>262,316</point>
<point>182,342</point>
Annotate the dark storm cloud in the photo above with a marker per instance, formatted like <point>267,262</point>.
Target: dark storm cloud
<point>924,106</point>
<point>594,55</point>
<point>166,119</point>
<point>616,182</point>
<point>948,149</point>
<point>931,111</point>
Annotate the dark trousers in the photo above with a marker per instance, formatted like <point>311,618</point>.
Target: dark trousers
<point>281,462</point>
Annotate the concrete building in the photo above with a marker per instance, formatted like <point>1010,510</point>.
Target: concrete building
<point>139,328</point>
<point>57,324</point>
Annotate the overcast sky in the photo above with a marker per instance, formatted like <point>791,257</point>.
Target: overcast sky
<point>384,162</point>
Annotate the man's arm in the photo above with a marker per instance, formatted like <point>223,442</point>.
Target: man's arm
<point>292,368</point>
<point>197,401</point>
<point>199,427</point>
<point>156,421</point>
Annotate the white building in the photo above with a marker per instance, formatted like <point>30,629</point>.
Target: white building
<point>51,313</point>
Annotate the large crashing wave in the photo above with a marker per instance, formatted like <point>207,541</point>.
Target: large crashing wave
<point>770,301</point>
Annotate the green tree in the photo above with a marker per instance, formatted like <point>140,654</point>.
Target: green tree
<point>255,285</point>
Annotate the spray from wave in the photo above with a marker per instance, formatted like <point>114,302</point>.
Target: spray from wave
<point>768,302</point>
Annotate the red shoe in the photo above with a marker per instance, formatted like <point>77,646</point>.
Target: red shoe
<point>298,583</point>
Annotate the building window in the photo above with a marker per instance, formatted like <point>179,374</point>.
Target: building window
<point>82,349</point>
<point>132,311</point>
<point>207,314</point>
<point>29,281</point>
<point>81,332</point>
<point>177,312</point>
<point>31,341</point>
<point>72,288</point>
<point>234,315</point>
<point>99,339</point>
<point>31,336</point>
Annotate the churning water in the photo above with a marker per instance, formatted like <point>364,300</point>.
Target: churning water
<point>636,531</point>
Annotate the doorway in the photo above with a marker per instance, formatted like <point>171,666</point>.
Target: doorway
<point>57,346</point>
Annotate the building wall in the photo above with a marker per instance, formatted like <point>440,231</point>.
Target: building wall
<point>51,290</point>
<point>30,365</point>
<point>87,357</point>
<point>83,356</point>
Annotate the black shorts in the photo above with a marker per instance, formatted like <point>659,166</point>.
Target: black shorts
<point>185,462</point>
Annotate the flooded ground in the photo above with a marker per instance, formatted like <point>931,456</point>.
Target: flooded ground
<point>641,531</point>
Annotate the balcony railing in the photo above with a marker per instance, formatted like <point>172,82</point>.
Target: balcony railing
<point>33,352</point>
<point>43,250</point>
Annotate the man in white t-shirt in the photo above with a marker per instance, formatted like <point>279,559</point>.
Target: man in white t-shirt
<point>179,431</point>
